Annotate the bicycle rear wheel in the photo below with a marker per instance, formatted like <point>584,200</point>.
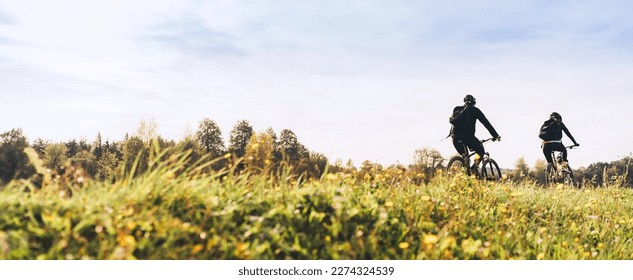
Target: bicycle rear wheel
<point>568,177</point>
<point>490,170</point>
<point>457,165</point>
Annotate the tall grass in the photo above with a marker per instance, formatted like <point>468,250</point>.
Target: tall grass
<point>174,212</point>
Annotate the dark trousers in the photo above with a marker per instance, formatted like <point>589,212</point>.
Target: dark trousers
<point>471,142</point>
<point>548,148</point>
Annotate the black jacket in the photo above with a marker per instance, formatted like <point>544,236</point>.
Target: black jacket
<point>464,119</point>
<point>558,131</point>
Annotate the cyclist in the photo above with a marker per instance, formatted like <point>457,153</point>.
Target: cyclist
<point>552,133</point>
<point>463,123</point>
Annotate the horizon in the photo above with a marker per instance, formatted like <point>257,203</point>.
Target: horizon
<point>226,135</point>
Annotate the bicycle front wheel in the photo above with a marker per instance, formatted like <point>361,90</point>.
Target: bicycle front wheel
<point>490,170</point>
<point>457,165</point>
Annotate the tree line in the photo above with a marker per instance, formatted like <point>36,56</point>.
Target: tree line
<point>596,174</point>
<point>246,151</point>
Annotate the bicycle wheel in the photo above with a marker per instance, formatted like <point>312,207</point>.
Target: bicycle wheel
<point>568,177</point>
<point>490,170</point>
<point>457,165</point>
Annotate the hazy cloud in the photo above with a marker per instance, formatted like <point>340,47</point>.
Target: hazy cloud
<point>189,35</point>
<point>6,18</point>
<point>6,41</point>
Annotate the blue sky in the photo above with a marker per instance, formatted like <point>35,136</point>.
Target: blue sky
<point>360,80</point>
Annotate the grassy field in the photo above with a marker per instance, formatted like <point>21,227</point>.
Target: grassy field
<point>173,213</point>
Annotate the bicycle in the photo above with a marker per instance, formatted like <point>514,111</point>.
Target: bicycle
<point>461,163</point>
<point>557,173</point>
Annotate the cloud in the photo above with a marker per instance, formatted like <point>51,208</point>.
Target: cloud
<point>7,41</point>
<point>539,29</point>
<point>189,35</point>
<point>6,19</point>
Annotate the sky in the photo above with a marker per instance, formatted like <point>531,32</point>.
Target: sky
<point>359,80</point>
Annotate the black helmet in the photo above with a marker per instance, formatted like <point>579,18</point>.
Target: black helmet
<point>556,116</point>
<point>469,99</point>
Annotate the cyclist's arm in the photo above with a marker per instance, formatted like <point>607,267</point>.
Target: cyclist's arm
<point>482,118</point>
<point>569,134</point>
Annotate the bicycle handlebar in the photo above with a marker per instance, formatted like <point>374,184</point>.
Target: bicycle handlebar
<point>489,139</point>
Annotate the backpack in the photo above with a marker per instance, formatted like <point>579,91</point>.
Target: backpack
<point>456,119</point>
<point>548,130</point>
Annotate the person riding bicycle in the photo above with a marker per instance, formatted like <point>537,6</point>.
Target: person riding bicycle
<point>463,123</point>
<point>552,134</point>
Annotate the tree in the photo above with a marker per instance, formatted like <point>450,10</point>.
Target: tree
<point>209,138</point>
<point>146,131</point>
<point>83,145</point>
<point>85,161</point>
<point>55,155</point>
<point>290,147</point>
<point>316,165</point>
<point>14,163</point>
<point>107,165</point>
<point>275,141</point>
<point>39,145</point>
<point>273,136</point>
<point>135,149</point>
<point>162,143</point>
<point>350,166</point>
<point>618,173</point>
<point>368,170</point>
<point>97,147</point>
<point>142,147</point>
<point>191,145</point>
<point>108,162</point>
<point>538,172</point>
<point>521,170</point>
<point>239,138</point>
<point>115,148</point>
<point>259,154</point>
<point>337,166</point>
<point>427,161</point>
<point>72,147</point>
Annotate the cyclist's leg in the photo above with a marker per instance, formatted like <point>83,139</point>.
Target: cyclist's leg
<point>561,148</point>
<point>547,152</point>
<point>556,146</point>
<point>458,143</point>
<point>475,145</point>
<point>461,161</point>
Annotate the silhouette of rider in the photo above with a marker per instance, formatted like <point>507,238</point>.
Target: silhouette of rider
<point>463,120</point>
<point>554,140</point>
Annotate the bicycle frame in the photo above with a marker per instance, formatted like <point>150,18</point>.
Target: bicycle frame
<point>559,171</point>
<point>557,159</point>
<point>486,167</point>
<point>468,155</point>
<point>557,156</point>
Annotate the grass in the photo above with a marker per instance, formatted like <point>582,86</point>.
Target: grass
<point>171,212</point>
